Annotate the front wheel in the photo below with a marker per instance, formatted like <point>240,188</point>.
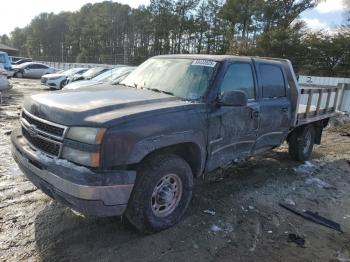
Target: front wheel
<point>62,84</point>
<point>301,143</point>
<point>19,75</point>
<point>162,193</point>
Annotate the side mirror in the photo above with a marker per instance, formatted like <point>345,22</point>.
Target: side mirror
<point>234,98</point>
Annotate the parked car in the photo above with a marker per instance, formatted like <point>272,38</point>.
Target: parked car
<point>136,148</point>
<point>4,83</point>
<point>32,70</point>
<point>5,63</point>
<point>20,60</point>
<point>59,79</point>
<point>89,74</point>
<point>113,76</point>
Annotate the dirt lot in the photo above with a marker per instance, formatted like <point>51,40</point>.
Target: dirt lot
<point>234,215</point>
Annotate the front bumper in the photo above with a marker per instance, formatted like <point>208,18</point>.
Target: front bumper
<point>51,83</point>
<point>91,193</point>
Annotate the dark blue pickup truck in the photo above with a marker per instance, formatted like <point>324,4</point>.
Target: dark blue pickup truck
<point>136,147</point>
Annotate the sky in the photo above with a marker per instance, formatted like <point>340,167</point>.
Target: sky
<point>326,15</point>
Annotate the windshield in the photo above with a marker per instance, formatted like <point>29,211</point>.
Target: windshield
<point>184,78</point>
<point>71,71</point>
<point>104,76</point>
<point>93,72</point>
<point>114,74</point>
<point>121,72</point>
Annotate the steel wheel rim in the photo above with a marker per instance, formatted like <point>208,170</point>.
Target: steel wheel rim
<point>307,142</point>
<point>166,195</point>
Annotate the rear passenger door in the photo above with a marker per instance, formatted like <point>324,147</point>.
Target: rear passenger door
<point>40,70</point>
<point>275,106</point>
<point>29,70</point>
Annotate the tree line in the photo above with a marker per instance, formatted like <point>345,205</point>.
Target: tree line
<point>110,32</point>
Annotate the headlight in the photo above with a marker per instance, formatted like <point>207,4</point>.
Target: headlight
<point>88,135</point>
<point>54,78</point>
<point>81,157</point>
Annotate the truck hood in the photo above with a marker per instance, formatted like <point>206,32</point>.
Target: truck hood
<point>101,105</point>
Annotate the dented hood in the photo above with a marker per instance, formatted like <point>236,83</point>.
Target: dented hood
<point>102,105</point>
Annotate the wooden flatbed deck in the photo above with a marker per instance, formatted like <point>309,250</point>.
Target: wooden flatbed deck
<point>321,103</point>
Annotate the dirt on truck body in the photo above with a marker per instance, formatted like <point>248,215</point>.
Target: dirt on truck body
<point>234,214</point>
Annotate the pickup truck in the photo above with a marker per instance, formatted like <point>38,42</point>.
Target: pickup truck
<point>136,147</point>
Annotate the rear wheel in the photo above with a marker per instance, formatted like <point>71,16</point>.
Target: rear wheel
<point>19,75</point>
<point>301,143</point>
<point>162,193</point>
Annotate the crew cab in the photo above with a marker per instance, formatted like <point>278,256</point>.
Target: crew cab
<point>135,148</point>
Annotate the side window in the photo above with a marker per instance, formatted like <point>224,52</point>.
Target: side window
<point>272,79</point>
<point>239,76</point>
<point>42,66</point>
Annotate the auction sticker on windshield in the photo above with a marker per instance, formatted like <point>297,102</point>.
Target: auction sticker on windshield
<point>207,63</point>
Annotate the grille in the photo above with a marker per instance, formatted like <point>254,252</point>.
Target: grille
<point>44,145</point>
<point>47,128</point>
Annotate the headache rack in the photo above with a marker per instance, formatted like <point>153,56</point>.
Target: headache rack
<point>317,102</point>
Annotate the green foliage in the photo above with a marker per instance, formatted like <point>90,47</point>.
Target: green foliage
<point>110,32</point>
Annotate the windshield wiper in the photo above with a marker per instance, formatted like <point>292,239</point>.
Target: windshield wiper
<point>160,91</point>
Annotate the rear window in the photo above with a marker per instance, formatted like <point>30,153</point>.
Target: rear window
<point>42,66</point>
<point>272,79</point>
<point>2,59</point>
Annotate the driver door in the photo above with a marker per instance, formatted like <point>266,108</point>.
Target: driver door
<point>233,129</point>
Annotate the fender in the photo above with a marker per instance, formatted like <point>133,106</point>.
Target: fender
<point>145,147</point>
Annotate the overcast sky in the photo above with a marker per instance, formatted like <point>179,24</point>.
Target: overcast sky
<point>20,12</point>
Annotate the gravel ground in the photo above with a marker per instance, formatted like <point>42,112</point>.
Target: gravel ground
<point>234,215</point>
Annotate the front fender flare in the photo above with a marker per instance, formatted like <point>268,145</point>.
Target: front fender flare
<point>149,145</point>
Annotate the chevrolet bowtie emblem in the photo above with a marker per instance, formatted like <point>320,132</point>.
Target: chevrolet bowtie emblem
<point>32,131</point>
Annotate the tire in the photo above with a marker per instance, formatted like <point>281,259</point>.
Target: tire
<point>19,75</point>
<point>155,184</point>
<point>301,143</point>
<point>62,84</point>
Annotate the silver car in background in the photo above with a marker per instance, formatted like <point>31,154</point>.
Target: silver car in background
<point>32,70</point>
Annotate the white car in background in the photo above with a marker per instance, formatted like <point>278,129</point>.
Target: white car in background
<point>59,80</point>
<point>32,70</point>
<point>112,76</point>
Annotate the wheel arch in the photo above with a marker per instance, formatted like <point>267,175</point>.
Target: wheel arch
<point>189,151</point>
<point>318,127</point>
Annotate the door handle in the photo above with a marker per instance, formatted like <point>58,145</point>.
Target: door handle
<point>284,109</point>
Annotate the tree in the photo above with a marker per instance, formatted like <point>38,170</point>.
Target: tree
<point>4,39</point>
<point>327,54</point>
<point>110,32</point>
